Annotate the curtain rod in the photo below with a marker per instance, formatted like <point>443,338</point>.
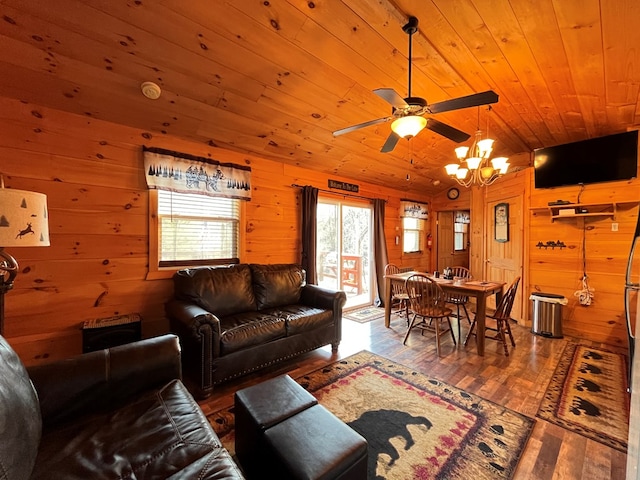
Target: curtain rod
<point>345,194</point>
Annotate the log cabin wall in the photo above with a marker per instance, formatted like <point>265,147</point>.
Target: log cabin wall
<point>91,172</point>
<point>592,246</point>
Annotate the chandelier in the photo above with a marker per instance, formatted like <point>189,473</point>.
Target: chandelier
<point>480,169</point>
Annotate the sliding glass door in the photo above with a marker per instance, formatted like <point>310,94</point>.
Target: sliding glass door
<point>344,247</point>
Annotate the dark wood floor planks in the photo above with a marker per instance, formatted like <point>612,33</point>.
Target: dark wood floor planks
<point>517,382</point>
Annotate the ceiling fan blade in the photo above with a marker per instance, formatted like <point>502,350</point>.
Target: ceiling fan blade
<point>361,125</point>
<point>391,96</point>
<point>391,142</point>
<point>474,100</point>
<point>447,131</point>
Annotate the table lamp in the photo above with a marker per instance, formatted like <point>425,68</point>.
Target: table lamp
<point>23,223</point>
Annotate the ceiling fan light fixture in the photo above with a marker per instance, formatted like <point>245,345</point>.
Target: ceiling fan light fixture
<point>408,126</point>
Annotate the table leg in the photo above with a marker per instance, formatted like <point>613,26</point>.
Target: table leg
<point>481,311</point>
<point>387,302</point>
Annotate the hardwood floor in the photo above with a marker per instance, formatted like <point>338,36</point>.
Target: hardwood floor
<point>517,382</point>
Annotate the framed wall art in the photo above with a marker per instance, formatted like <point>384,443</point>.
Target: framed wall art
<point>501,222</point>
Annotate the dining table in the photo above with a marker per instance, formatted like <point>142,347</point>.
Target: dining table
<point>479,289</point>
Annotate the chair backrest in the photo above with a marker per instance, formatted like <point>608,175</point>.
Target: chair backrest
<point>503,310</point>
<point>462,272</point>
<point>396,287</point>
<point>425,296</point>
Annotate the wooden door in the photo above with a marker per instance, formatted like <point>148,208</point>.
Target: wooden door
<point>504,258</point>
<point>448,256</point>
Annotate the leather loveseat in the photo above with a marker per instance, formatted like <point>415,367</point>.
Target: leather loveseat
<point>235,319</point>
<point>117,413</point>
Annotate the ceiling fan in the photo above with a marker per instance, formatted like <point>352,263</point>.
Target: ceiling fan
<point>408,113</point>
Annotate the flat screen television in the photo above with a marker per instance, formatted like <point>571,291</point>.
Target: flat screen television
<point>602,159</point>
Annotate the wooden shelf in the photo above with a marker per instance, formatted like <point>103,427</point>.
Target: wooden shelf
<point>593,210</point>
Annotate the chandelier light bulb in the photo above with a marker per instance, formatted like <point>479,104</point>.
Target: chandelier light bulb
<point>452,168</point>
<point>473,162</point>
<point>462,173</point>
<point>461,152</point>
<point>475,167</point>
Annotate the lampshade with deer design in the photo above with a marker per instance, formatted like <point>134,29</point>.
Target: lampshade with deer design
<point>23,223</point>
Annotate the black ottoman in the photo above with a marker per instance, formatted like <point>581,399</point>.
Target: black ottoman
<point>260,407</point>
<point>281,432</point>
<point>315,444</point>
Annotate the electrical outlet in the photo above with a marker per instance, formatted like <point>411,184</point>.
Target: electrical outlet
<point>614,227</point>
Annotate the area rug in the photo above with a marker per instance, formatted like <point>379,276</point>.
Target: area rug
<point>364,315</point>
<point>416,426</point>
<point>588,395</point>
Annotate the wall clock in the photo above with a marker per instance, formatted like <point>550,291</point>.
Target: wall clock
<point>453,193</point>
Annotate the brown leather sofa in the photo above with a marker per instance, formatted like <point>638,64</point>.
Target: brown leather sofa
<point>235,319</point>
<point>117,413</point>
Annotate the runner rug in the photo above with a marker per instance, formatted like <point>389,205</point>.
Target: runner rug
<point>416,426</point>
<point>588,395</point>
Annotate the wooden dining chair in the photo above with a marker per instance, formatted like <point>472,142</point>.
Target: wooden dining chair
<point>502,317</point>
<point>398,295</point>
<point>457,299</point>
<point>428,308</point>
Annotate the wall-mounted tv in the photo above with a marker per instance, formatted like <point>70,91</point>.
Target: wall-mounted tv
<point>602,159</point>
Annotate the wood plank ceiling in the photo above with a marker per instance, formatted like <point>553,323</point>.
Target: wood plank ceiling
<point>275,78</point>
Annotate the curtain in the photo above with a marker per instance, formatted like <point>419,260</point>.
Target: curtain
<point>381,258</point>
<point>309,229</point>
<point>184,173</point>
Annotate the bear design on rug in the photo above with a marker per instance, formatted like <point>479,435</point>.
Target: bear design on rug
<point>379,427</point>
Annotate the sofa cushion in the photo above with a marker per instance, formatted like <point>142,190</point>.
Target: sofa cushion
<point>163,434</point>
<point>245,330</point>
<point>301,318</point>
<point>276,285</point>
<point>219,290</point>
<point>20,423</point>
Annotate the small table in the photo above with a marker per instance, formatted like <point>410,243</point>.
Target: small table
<point>475,288</point>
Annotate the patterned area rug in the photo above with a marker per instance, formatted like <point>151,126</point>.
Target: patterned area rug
<point>416,426</point>
<point>364,315</point>
<point>588,395</point>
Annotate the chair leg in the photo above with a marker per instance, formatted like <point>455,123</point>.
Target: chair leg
<point>458,317</point>
<point>513,342</point>
<point>451,330</point>
<point>471,329</point>
<point>413,321</point>
<point>500,326</point>
<point>466,312</point>
<point>437,336</point>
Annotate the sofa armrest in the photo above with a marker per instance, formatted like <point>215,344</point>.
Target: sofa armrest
<point>106,378</point>
<point>316,296</point>
<point>191,317</point>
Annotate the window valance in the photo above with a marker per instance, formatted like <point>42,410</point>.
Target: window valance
<point>184,173</point>
<point>413,209</point>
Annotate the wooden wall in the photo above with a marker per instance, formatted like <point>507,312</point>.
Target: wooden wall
<point>592,247</point>
<point>91,172</point>
<point>97,264</point>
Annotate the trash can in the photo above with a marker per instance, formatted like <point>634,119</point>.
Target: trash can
<point>547,314</point>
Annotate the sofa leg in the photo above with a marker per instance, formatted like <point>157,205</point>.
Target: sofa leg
<point>334,347</point>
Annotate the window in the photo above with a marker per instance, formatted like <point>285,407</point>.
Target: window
<point>460,234</point>
<point>412,235</point>
<point>197,229</point>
